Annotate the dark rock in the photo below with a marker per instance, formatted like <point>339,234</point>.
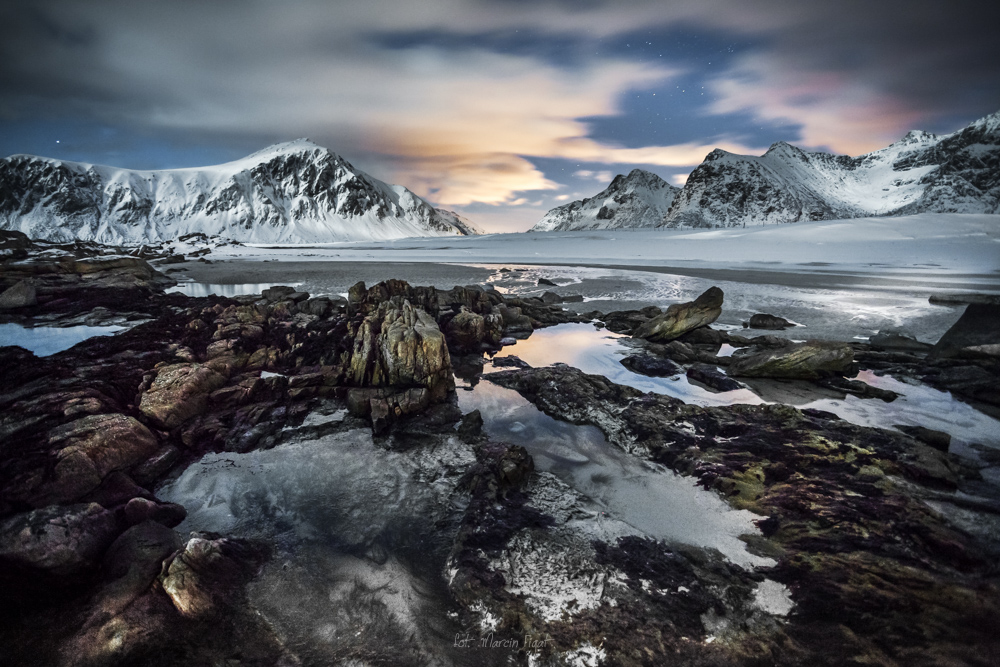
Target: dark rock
<point>897,342</point>
<point>179,392</point>
<point>765,321</point>
<point>572,298</point>
<point>550,298</point>
<point>711,377</point>
<point>21,295</point>
<point>139,510</point>
<point>976,334</point>
<point>470,429</point>
<point>680,318</point>
<point>645,364</point>
<point>964,299</point>
<point>704,336</point>
<point>546,281</point>
<point>510,361</point>
<point>63,540</point>
<point>14,244</point>
<point>805,361</point>
<point>858,388</point>
<point>939,440</point>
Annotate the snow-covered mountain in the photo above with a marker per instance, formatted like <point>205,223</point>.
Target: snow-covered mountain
<point>953,173</point>
<point>640,199</point>
<point>295,192</point>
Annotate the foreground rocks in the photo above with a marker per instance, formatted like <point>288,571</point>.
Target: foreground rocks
<point>801,361</point>
<point>680,318</point>
<point>873,571</point>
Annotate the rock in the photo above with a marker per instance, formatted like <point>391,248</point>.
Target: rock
<point>278,293</point>
<point>13,244</point>
<point>61,539</point>
<point>466,332</point>
<point>401,346</point>
<point>188,578</point>
<point>179,392</point>
<point>976,334</point>
<point>897,342</point>
<point>705,336</point>
<point>572,298</point>
<point>711,377</point>
<point>683,317</point>
<point>470,429</point>
<point>646,364</point>
<point>939,440</point>
<point>964,299</point>
<point>21,295</point>
<point>765,321</point>
<point>804,361</point>
<point>514,321</point>
<point>510,362</point>
<point>508,341</point>
<point>858,388</point>
<point>550,298</point>
<point>90,448</point>
<point>139,510</point>
<point>546,281</point>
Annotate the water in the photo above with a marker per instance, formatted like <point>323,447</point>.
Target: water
<point>599,352</point>
<point>45,341</point>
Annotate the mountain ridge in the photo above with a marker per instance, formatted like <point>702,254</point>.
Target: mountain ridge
<point>291,192</point>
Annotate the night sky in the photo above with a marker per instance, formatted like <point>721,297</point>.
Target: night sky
<point>499,109</point>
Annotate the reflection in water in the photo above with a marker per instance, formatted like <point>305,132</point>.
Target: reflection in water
<point>44,341</point>
<point>205,289</point>
<point>650,498</point>
<point>596,351</point>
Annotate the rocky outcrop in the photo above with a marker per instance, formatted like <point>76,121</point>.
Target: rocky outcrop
<point>179,392</point>
<point>799,361</point>
<point>976,334</point>
<point>401,346</point>
<point>21,295</point>
<point>62,540</point>
<point>680,318</point>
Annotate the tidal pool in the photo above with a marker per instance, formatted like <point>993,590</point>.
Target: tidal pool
<point>45,341</point>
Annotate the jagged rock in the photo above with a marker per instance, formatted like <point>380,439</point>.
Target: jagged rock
<point>179,392</point>
<point>63,540</point>
<point>711,377</point>
<point>400,346</point>
<point>90,448</point>
<point>510,361</point>
<point>646,364</point>
<point>21,295</point>
<point>546,281</point>
<point>198,579</point>
<point>514,321</point>
<point>893,341</point>
<point>765,321</point>
<point>469,332</point>
<point>976,334</point>
<point>804,361</point>
<point>470,429</point>
<point>683,317</point>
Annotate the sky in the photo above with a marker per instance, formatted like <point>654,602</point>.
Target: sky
<point>497,109</point>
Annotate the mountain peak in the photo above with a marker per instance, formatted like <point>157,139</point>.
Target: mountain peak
<point>286,148</point>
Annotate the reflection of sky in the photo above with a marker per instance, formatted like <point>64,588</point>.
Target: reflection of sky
<point>599,352</point>
<point>44,341</point>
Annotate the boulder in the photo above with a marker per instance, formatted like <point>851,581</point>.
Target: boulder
<point>646,364</point>
<point>60,539</point>
<point>546,281</point>
<point>976,334</point>
<point>897,342</point>
<point>683,317</point>
<point>514,320</point>
<point>550,298</point>
<point>187,578</point>
<point>765,321</point>
<point>710,376</point>
<point>278,293</point>
<point>21,295</point>
<point>400,346</point>
<point>179,392</point>
<point>89,448</point>
<point>803,361</point>
<point>13,244</point>
<point>466,331</point>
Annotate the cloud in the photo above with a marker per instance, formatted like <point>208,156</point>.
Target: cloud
<point>679,179</point>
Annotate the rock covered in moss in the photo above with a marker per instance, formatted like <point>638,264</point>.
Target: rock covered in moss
<point>801,361</point>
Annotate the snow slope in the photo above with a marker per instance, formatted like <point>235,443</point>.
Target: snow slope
<point>294,192</point>
<point>638,200</point>
<point>954,173</point>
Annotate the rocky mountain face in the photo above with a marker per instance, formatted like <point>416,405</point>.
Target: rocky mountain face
<point>296,192</point>
<point>954,173</point>
<point>640,199</point>
<point>922,172</point>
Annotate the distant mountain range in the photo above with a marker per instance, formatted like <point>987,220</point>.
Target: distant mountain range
<point>295,192</point>
<point>923,172</point>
